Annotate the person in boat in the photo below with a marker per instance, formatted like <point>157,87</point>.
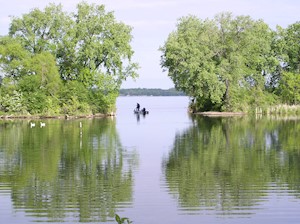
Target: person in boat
<point>144,110</point>
<point>138,107</point>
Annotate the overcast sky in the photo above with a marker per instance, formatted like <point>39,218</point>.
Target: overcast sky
<point>153,20</point>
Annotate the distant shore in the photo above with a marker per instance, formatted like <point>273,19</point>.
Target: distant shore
<point>150,92</point>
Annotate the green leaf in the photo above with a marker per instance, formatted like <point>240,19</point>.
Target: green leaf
<point>118,219</point>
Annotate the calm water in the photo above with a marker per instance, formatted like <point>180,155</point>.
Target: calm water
<point>165,167</point>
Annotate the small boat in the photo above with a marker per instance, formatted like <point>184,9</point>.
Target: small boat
<point>143,112</point>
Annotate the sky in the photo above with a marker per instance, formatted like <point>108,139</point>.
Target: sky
<point>154,20</point>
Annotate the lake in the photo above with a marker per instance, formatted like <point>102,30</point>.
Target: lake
<point>164,167</point>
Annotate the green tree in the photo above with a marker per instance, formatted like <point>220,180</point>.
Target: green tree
<point>290,87</point>
<point>74,98</point>
<point>87,46</point>
<point>13,57</point>
<point>218,61</point>
<point>291,49</point>
<point>288,78</point>
<point>102,45</point>
<point>188,54</point>
<point>39,30</point>
<point>41,84</point>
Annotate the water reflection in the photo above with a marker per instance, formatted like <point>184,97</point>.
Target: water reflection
<point>64,172</point>
<point>231,165</point>
<point>138,116</point>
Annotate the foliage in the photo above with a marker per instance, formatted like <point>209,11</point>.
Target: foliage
<point>96,44</point>
<point>48,51</point>
<point>13,103</point>
<point>289,87</point>
<point>291,47</point>
<point>183,56</point>
<point>122,220</point>
<point>74,98</point>
<point>289,79</point>
<point>13,57</point>
<point>232,63</point>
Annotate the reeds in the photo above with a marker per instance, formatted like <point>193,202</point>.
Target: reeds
<point>282,109</point>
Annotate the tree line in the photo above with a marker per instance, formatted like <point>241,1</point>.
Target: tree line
<point>150,92</point>
<point>54,62</point>
<point>233,63</point>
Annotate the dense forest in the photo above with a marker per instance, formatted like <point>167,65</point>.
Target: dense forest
<point>53,62</point>
<point>233,63</point>
<point>150,92</point>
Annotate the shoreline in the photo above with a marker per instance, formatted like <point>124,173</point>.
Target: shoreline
<point>66,116</point>
<point>220,114</point>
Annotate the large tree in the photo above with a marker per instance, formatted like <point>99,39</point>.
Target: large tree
<point>221,63</point>
<point>90,48</point>
<point>32,80</point>
<point>288,78</point>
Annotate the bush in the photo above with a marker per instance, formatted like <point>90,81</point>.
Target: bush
<point>13,103</point>
<point>35,102</point>
<point>74,99</point>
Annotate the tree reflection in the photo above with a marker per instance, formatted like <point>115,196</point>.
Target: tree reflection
<point>231,163</point>
<point>63,172</point>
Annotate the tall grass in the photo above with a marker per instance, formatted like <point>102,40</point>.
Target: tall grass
<point>282,109</point>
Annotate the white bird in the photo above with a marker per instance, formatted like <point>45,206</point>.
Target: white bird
<point>42,124</point>
<point>32,125</point>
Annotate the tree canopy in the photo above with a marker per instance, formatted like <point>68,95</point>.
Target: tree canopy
<point>231,63</point>
<point>62,62</point>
